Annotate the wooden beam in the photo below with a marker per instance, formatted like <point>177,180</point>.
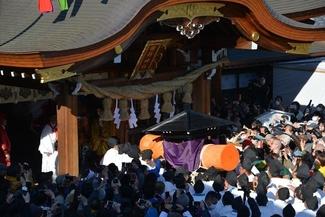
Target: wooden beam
<point>305,15</point>
<point>26,83</point>
<point>124,81</point>
<point>68,162</point>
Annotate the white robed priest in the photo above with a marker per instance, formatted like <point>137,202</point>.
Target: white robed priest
<point>48,147</point>
<point>113,155</point>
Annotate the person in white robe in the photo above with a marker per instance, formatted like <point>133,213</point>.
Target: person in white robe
<point>112,155</point>
<point>47,147</point>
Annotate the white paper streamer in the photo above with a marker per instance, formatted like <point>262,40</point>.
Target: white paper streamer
<point>76,89</point>
<point>117,119</point>
<point>53,89</point>
<point>174,104</point>
<point>133,117</point>
<point>157,110</point>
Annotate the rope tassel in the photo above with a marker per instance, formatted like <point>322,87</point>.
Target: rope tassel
<point>124,110</point>
<point>167,106</point>
<point>144,110</point>
<point>157,110</point>
<point>133,117</point>
<point>107,113</point>
<point>117,120</point>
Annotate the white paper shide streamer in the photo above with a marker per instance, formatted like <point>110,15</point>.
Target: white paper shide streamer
<point>174,104</point>
<point>157,110</point>
<point>133,117</point>
<point>117,119</point>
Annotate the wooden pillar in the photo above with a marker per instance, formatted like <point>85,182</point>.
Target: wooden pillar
<point>68,158</point>
<point>202,95</point>
<point>123,133</point>
<point>218,90</point>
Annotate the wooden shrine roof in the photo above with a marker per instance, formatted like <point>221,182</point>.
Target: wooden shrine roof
<point>94,27</point>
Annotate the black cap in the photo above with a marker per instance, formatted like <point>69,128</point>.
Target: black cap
<point>231,178</point>
<point>261,199</point>
<point>321,211</point>
<point>227,198</point>
<point>303,172</point>
<point>247,164</point>
<point>218,184</point>
<point>275,167</point>
<point>289,211</point>
<point>312,203</point>
<point>243,181</point>
<point>319,180</point>
<point>263,179</point>
<point>238,201</point>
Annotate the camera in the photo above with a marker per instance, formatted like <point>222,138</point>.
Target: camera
<point>26,166</point>
<point>142,202</point>
<point>109,204</point>
<point>24,190</point>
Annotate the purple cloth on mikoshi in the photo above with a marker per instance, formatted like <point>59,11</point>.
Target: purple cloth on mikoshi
<point>216,141</point>
<point>184,154</point>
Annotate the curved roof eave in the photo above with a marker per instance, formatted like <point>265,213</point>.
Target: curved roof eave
<point>90,29</point>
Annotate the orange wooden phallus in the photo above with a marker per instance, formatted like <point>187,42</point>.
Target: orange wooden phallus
<point>148,142</point>
<point>225,157</point>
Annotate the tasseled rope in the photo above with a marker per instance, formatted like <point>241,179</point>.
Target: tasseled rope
<point>117,119</point>
<point>157,110</point>
<point>167,106</point>
<point>187,98</point>
<point>107,113</point>
<point>133,117</point>
<point>144,110</point>
<point>124,110</point>
<point>172,113</point>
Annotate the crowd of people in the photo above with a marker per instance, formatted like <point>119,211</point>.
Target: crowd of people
<point>281,173</point>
